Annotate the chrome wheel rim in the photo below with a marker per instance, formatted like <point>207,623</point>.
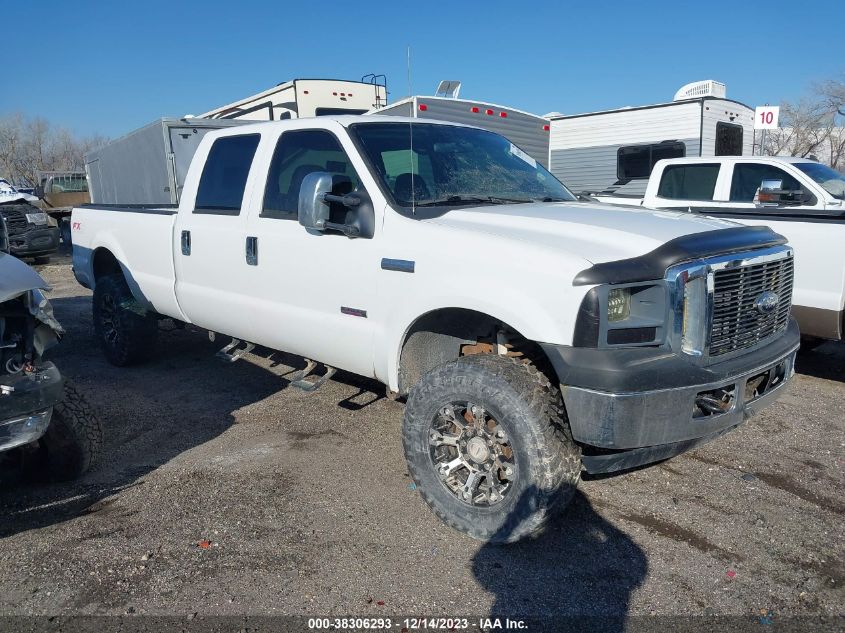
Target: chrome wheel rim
<point>472,454</point>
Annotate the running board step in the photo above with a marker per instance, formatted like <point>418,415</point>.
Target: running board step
<point>230,354</point>
<point>299,378</point>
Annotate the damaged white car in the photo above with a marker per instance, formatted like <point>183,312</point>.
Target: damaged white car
<point>39,411</point>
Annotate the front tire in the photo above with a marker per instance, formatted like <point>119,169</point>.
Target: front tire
<point>487,444</point>
<point>127,333</point>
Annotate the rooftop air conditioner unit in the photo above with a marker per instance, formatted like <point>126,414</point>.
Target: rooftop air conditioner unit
<point>698,89</point>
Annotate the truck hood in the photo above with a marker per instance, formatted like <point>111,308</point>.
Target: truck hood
<point>594,232</point>
<point>17,278</point>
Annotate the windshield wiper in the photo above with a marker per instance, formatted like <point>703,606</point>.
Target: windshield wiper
<point>466,199</point>
<point>550,199</point>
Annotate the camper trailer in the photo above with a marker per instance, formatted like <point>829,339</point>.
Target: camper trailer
<point>527,131</point>
<point>613,152</point>
<point>305,98</point>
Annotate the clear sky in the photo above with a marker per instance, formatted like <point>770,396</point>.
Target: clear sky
<point>109,67</point>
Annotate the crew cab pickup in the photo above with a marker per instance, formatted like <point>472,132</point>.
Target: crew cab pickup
<point>532,335</point>
<point>797,197</point>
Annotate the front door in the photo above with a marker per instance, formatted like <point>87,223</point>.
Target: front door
<point>313,293</point>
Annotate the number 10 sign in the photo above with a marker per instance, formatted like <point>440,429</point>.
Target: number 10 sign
<point>766,117</point>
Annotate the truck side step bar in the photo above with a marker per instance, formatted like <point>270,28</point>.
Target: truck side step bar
<point>227,354</point>
<point>299,378</point>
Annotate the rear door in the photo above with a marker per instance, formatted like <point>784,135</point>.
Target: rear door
<point>209,239</point>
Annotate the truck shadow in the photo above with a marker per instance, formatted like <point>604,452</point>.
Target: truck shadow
<point>827,361</point>
<point>151,413</point>
<point>577,575</point>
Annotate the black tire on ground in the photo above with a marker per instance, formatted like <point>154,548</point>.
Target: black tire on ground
<point>74,438</point>
<point>528,409</point>
<point>42,259</point>
<point>64,230</point>
<point>127,333</point>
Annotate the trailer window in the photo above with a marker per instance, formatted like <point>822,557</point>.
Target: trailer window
<point>297,154</point>
<point>728,139</point>
<point>224,175</point>
<point>637,161</point>
<point>689,182</point>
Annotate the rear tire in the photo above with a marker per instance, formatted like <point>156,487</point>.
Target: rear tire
<point>64,229</point>
<point>74,438</point>
<point>126,331</point>
<point>511,422</point>
<point>41,260</point>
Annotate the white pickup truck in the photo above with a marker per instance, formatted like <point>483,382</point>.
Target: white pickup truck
<point>531,334</point>
<point>798,198</point>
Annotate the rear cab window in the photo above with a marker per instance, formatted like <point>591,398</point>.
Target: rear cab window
<point>224,175</point>
<point>689,182</point>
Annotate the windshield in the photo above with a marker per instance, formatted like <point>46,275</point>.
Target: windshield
<point>452,166</point>
<point>831,181</point>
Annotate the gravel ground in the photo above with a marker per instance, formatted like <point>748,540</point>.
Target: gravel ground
<point>306,502</point>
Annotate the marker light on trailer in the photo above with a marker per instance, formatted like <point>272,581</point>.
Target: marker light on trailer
<point>423,107</point>
<point>546,128</point>
<point>504,115</point>
<point>490,112</point>
<point>474,109</point>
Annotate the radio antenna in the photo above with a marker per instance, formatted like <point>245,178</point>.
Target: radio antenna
<point>411,132</point>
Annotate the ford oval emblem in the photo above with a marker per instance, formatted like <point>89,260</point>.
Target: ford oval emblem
<point>766,302</point>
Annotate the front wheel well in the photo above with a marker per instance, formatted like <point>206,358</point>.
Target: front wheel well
<point>446,334</point>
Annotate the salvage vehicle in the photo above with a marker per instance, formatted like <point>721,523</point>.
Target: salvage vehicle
<point>532,335</point>
<point>40,413</point>
<point>799,198</point>
<point>32,233</point>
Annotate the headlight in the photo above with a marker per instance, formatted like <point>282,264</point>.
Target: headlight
<point>619,316</point>
<point>618,304</point>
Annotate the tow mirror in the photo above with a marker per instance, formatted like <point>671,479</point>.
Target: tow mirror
<point>313,210</point>
<point>316,198</point>
<point>772,192</point>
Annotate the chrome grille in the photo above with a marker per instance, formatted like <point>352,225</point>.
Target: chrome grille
<point>15,220</point>
<point>737,323</point>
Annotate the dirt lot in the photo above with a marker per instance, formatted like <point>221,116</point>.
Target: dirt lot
<point>306,501</point>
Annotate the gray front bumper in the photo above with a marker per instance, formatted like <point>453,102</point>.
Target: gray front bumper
<point>26,404</point>
<point>636,428</point>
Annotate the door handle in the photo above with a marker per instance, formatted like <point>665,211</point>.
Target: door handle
<point>252,251</point>
<point>186,242</point>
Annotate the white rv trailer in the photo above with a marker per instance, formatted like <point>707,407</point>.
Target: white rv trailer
<point>613,152</point>
<point>529,132</point>
<point>306,98</point>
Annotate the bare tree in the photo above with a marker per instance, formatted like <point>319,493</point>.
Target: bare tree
<point>815,126</point>
<point>30,145</point>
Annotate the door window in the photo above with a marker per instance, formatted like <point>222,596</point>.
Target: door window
<point>747,178</point>
<point>223,180</point>
<point>728,139</point>
<point>299,153</point>
<point>689,182</point>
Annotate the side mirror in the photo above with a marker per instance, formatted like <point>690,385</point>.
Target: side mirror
<point>315,205</point>
<point>313,210</point>
<point>772,192</point>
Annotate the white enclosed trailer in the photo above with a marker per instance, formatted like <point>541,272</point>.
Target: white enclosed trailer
<point>613,152</point>
<point>147,165</point>
<point>529,132</point>
<point>302,98</point>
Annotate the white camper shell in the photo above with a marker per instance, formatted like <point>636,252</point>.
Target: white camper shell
<point>613,152</point>
<point>302,98</point>
<point>527,131</point>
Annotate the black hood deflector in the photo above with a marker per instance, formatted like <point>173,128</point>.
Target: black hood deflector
<point>682,249</point>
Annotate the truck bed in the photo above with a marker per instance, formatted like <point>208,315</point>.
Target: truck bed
<point>141,238</point>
